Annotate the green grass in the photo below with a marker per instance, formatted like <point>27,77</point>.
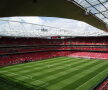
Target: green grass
<point>63,73</point>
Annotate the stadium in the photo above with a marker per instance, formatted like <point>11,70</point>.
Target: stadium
<point>39,56</point>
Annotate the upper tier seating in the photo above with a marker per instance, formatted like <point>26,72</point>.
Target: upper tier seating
<point>10,47</point>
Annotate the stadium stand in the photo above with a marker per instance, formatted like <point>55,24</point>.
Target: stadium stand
<point>20,50</point>
<point>103,85</point>
<point>76,75</point>
<point>95,55</point>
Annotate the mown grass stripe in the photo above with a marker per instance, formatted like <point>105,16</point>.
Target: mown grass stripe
<point>58,69</point>
<point>47,69</point>
<point>87,77</point>
<point>52,64</point>
<point>82,73</point>
<point>13,85</point>
<point>72,74</point>
<point>26,79</point>
<point>37,63</point>
<point>71,70</point>
<point>32,64</point>
<point>51,74</point>
<point>60,64</point>
<point>35,67</point>
<point>56,72</point>
<point>93,81</point>
<point>65,71</point>
<point>41,79</point>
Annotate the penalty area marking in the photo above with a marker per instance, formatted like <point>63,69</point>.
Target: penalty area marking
<point>38,82</point>
<point>22,78</point>
<point>41,83</point>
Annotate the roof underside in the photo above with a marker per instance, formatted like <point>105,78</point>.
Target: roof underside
<point>57,8</point>
<point>99,8</point>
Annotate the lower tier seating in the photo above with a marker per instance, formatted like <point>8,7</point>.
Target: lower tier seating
<point>95,55</point>
<point>27,57</point>
<point>103,86</point>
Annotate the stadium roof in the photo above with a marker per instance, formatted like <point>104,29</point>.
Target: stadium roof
<point>99,8</point>
<point>58,8</point>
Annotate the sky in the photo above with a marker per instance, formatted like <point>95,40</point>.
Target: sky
<point>61,26</point>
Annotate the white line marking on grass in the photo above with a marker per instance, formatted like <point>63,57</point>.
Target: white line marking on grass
<point>54,65</point>
<point>29,76</point>
<point>25,66</point>
<point>91,78</point>
<point>3,71</point>
<point>48,66</point>
<point>37,82</point>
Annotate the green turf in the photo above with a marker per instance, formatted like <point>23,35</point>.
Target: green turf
<point>63,73</point>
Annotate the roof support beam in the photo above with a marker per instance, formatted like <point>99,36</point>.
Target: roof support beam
<point>97,4</point>
<point>96,9</point>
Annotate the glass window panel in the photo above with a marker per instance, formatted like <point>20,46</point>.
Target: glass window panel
<point>106,4</point>
<point>93,2</point>
<point>106,13</point>
<point>97,7</point>
<point>103,0</point>
<point>96,2</point>
<point>93,10</point>
<point>105,19</point>
<point>99,15</point>
<point>82,3</point>
<point>100,7</point>
<point>85,4</point>
<point>79,1</point>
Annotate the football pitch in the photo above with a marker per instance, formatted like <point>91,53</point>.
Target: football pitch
<point>62,73</point>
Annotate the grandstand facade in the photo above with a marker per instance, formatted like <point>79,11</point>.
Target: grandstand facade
<point>19,50</point>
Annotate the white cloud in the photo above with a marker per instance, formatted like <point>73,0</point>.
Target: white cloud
<point>74,26</point>
<point>36,20</point>
<point>70,27</point>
